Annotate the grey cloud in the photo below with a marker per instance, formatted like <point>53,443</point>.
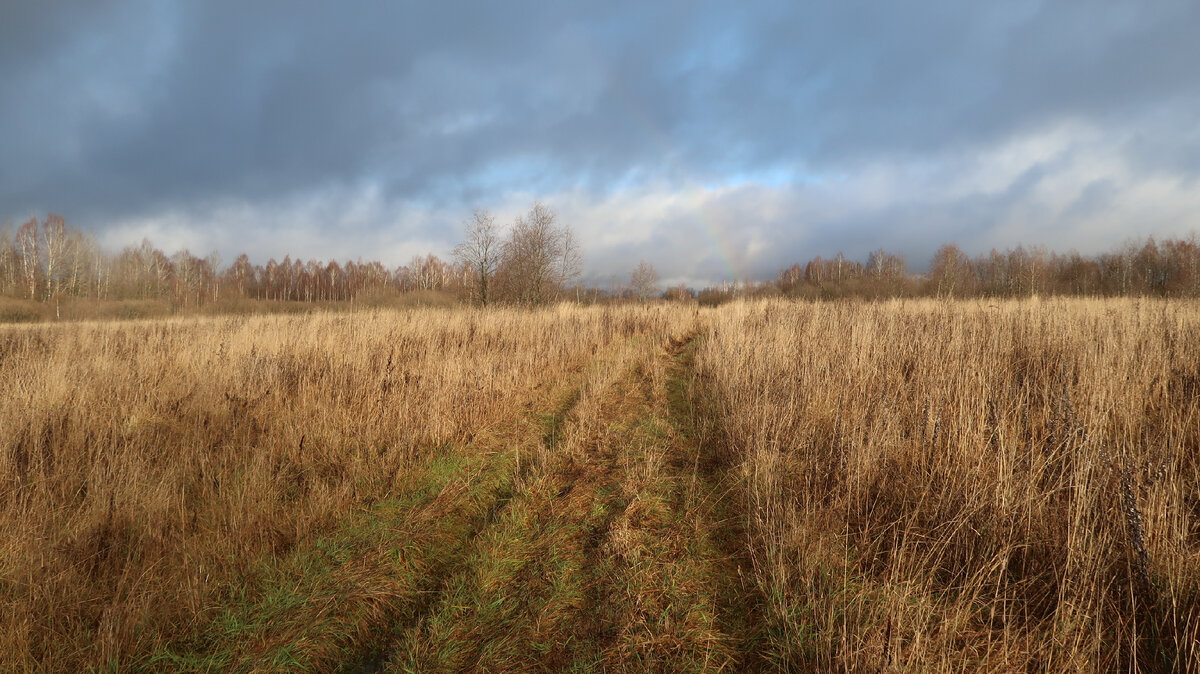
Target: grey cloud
<point>114,112</point>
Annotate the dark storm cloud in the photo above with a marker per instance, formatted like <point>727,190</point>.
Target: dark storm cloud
<point>119,113</point>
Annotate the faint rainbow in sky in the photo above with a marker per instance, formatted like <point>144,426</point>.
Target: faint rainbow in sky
<point>726,253</point>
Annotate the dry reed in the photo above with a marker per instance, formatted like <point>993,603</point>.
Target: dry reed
<point>923,485</point>
<point>937,486</point>
<point>144,465</point>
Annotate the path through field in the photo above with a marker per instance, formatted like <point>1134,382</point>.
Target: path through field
<point>601,533</point>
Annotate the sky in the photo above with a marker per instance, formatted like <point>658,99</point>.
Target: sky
<point>714,140</point>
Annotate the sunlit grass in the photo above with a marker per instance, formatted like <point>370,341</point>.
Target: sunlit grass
<point>917,485</point>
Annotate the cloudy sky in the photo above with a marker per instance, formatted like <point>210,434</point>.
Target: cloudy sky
<point>715,140</point>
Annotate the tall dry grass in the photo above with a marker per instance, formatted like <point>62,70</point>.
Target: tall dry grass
<point>945,486</point>
<point>926,486</point>
<point>143,465</point>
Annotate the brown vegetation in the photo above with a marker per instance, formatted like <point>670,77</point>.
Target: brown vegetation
<point>144,465</point>
<point>909,485</point>
<point>940,486</point>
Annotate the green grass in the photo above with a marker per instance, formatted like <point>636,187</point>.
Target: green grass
<point>672,577</point>
<point>327,604</point>
<point>607,547</point>
<point>523,593</point>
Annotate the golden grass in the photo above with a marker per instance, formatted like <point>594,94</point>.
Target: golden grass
<point>145,465</point>
<point>911,485</point>
<point>938,486</point>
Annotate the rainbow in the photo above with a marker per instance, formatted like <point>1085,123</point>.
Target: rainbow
<point>731,260</point>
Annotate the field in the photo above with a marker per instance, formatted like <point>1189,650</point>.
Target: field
<point>896,486</point>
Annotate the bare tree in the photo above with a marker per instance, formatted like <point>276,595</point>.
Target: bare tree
<point>10,261</point>
<point>78,257</point>
<point>188,277</point>
<point>102,266</point>
<point>212,267</point>
<point>644,280</point>
<point>949,272</point>
<point>54,250</point>
<point>31,264</point>
<point>538,257</point>
<point>570,259</point>
<point>337,280</point>
<point>481,251</point>
<point>884,265</point>
<point>242,274</point>
<point>680,293</point>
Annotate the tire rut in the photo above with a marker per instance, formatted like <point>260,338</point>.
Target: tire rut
<point>529,599</point>
<point>670,598</point>
<point>620,547</point>
<point>379,656</point>
<point>742,606</point>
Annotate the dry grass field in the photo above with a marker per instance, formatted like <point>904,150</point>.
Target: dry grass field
<point>988,487</point>
<point>904,486</point>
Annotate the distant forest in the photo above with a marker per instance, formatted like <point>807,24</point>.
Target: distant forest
<point>537,261</point>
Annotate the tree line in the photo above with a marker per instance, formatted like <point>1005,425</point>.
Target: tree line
<point>1170,268</point>
<point>534,262</point>
<point>536,259</point>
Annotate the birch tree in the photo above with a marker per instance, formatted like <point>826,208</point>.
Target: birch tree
<point>481,252</point>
